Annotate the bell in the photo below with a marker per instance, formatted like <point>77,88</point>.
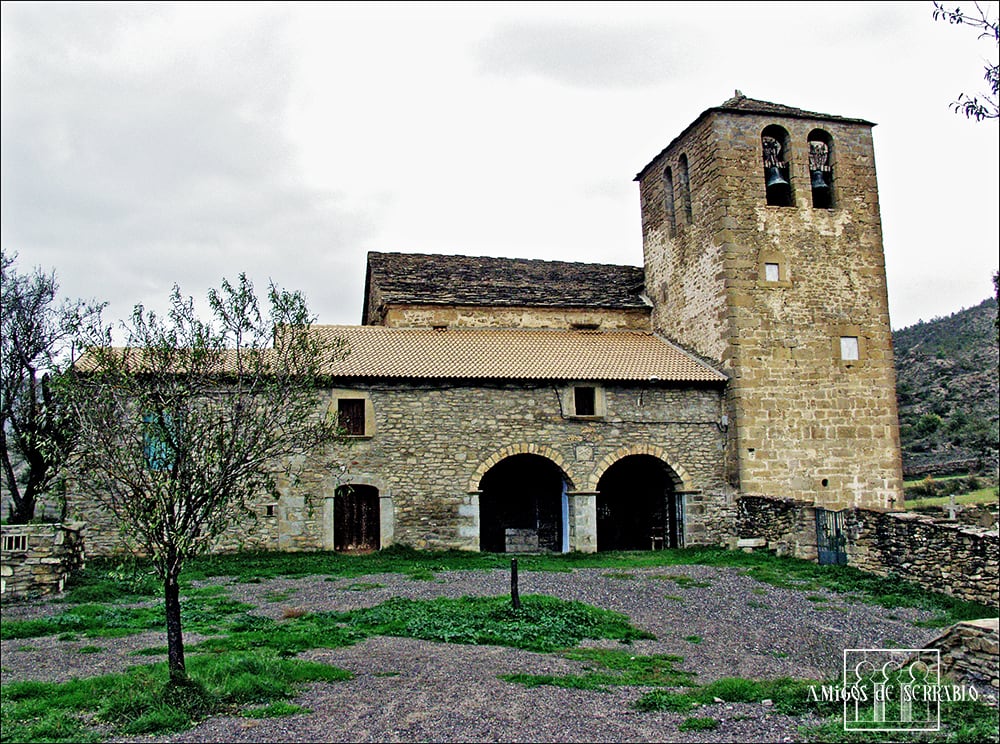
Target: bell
<point>773,177</point>
<point>819,181</point>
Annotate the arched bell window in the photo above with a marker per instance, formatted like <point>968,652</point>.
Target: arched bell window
<point>821,169</point>
<point>777,181</point>
<point>668,202</point>
<point>682,166</point>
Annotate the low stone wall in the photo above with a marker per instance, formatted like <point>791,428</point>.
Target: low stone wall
<point>36,558</point>
<point>941,555</point>
<point>785,526</point>
<point>970,652</point>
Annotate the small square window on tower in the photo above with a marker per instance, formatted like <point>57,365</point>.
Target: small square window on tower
<point>771,272</point>
<point>849,349</point>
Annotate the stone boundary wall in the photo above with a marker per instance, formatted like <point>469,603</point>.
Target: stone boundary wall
<point>941,555</point>
<point>36,558</point>
<point>785,526</point>
<point>970,651</point>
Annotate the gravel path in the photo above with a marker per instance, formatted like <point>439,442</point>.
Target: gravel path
<point>410,690</point>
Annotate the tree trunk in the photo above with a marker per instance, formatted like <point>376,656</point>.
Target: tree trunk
<point>23,510</point>
<point>175,641</point>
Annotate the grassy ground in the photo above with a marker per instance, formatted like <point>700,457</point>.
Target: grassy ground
<point>248,666</point>
<point>982,496</point>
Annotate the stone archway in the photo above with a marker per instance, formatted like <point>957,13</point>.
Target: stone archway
<point>523,506</point>
<point>679,476</point>
<point>638,506</point>
<point>524,448</point>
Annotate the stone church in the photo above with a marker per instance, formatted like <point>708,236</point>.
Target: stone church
<point>522,405</point>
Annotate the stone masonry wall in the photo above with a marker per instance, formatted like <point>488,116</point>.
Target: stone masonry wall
<point>430,316</point>
<point>807,424</point>
<point>35,559</point>
<point>785,526</point>
<point>969,652</point>
<point>431,445</point>
<point>939,555</point>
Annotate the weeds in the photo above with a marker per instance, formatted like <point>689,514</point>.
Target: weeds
<point>608,667</point>
<point>698,724</point>
<point>542,624</point>
<point>682,580</point>
<point>141,701</point>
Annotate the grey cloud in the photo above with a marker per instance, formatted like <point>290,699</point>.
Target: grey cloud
<point>587,56</point>
<point>172,169</point>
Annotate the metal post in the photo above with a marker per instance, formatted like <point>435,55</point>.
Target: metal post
<point>515,598</point>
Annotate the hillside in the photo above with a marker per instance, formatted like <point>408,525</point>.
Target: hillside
<point>947,387</point>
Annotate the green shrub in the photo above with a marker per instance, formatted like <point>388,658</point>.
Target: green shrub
<point>699,724</point>
<point>676,702</point>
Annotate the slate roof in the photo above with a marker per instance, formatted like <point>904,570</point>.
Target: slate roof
<point>741,104</point>
<point>518,354</point>
<point>422,279</point>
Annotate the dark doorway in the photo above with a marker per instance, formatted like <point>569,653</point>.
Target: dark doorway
<point>520,507</point>
<point>637,507</point>
<point>356,519</point>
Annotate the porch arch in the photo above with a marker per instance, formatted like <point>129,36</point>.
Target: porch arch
<point>681,478</point>
<point>524,448</point>
<point>524,506</point>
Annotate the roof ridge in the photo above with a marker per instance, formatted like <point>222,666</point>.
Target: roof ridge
<point>503,258</point>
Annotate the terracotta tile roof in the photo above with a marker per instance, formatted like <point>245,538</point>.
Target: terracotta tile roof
<point>377,351</point>
<point>417,278</point>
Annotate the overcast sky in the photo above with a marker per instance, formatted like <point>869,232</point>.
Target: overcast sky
<point>148,145</point>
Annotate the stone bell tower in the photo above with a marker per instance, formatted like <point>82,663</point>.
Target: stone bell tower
<point>762,245</point>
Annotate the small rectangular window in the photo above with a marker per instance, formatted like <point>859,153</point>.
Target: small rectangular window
<point>771,273</point>
<point>585,401</point>
<point>351,415</point>
<point>849,350</point>
<point>15,542</point>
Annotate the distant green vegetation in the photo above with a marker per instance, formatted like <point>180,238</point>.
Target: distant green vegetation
<point>932,488</point>
<point>947,389</point>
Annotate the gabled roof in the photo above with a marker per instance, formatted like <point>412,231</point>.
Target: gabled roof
<point>520,354</point>
<point>741,104</point>
<point>421,279</point>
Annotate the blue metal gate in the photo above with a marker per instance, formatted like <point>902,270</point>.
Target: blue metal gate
<point>831,543</point>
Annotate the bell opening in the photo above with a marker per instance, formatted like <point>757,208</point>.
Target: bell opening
<point>822,194</point>
<point>779,191</point>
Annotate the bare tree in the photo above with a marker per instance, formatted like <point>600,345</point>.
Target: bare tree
<point>972,107</point>
<point>36,337</point>
<point>186,425</point>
